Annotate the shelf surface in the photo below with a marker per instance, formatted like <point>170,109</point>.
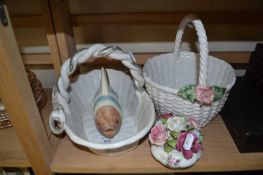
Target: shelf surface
<point>220,154</point>
<point>11,151</point>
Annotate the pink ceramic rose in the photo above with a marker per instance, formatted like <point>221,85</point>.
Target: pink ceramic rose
<point>194,147</point>
<point>204,95</point>
<point>158,135</point>
<point>166,115</point>
<point>192,121</point>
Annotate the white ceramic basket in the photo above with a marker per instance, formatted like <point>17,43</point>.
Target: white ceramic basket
<point>72,103</point>
<point>165,74</point>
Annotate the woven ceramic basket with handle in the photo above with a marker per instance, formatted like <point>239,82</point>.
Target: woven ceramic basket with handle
<point>165,74</point>
<point>72,103</point>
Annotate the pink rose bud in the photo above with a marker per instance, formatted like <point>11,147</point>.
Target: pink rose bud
<point>194,146</point>
<point>158,135</point>
<point>166,115</point>
<point>192,121</point>
<point>204,95</point>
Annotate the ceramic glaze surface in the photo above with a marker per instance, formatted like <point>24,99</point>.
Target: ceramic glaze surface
<point>107,110</point>
<point>160,155</point>
<point>137,111</point>
<point>73,104</point>
<point>184,70</point>
<point>166,74</point>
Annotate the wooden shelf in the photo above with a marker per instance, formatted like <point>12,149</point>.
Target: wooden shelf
<point>220,154</point>
<point>11,151</point>
<point>45,112</point>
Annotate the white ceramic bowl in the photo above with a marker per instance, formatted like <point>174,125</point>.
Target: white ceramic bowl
<point>72,102</point>
<point>137,107</point>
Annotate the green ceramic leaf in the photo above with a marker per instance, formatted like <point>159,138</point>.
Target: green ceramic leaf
<point>200,139</point>
<point>174,134</point>
<point>188,93</point>
<point>167,148</point>
<point>190,128</point>
<point>218,92</point>
<point>164,121</point>
<point>172,143</point>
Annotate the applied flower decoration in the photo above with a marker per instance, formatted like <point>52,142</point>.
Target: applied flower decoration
<point>177,133</point>
<point>204,95</point>
<point>159,134</point>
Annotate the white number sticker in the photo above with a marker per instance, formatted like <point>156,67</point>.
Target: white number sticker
<point>188,142</point>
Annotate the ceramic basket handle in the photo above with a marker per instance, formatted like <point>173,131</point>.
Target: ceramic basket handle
<point>98,50</point>
<point>60,96</point>
<point>203,46</point>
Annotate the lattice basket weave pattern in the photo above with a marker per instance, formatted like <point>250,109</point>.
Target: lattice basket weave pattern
<point>165,74</point>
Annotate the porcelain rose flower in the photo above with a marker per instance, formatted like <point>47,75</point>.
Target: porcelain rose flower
<point>194,145</point>
<point>159,134</point>
<point>166,115</point>
<point>192,121</point>
<point>204,94</point>
<point>176,141</point>
<point>176,123</point>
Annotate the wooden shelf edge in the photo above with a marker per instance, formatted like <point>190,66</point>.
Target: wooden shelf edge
<point>220,154</point>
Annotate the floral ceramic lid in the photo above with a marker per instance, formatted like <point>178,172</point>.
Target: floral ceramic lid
<point>176,141</point>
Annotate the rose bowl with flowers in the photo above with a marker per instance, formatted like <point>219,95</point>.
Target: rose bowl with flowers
<point>176,141</point>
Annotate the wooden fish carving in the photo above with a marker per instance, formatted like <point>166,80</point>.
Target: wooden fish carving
<point>106,108</point>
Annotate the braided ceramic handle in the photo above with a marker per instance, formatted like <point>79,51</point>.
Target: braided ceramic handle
<point>60,97</point>
<point>203,46</point>
<point>98,50</point>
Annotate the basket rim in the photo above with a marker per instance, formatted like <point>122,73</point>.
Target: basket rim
<point>125,142</point>
<point>149,81</point>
